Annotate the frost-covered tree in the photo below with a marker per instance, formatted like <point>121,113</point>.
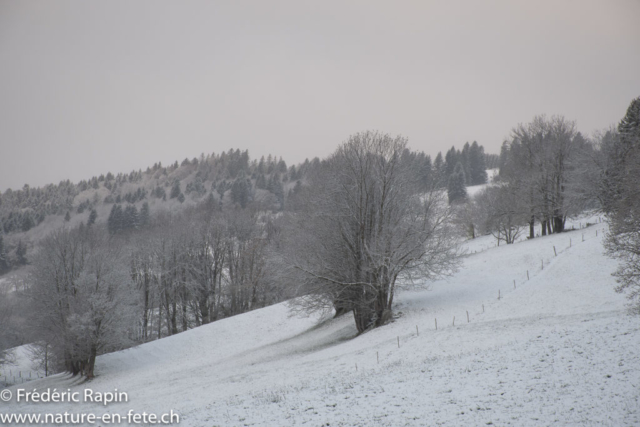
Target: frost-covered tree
<point>241,191</point>
<point>175,190</point>
<point>115,222</point>
<point>93,215</point>
<point>366,230</point>
<point>538,161</point>
<point>130,218</point>
<point>221,188</point>
<point>145,215</point>
<point>477,165</point>
<point>499,211</point>
<point>43,358</point>
<point>457,187</point>
<point>439,173</point>
<point>81,293</point>
<point>622,204</point>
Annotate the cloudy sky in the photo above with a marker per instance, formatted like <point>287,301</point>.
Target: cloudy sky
<point>92,87</point>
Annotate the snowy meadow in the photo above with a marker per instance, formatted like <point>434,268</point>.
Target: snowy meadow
<point>556,348</point>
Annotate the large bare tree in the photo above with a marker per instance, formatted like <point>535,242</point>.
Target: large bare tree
<point>82,295</point>
<point>366,228</point>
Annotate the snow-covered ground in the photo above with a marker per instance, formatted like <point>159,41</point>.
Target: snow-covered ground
<point>557,348</point>
<point>20,369</point>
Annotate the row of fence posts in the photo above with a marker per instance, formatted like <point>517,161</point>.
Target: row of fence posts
<point>453,323</point>
<point>18,379</point>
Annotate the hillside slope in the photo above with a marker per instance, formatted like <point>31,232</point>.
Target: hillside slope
<point>557,349</point>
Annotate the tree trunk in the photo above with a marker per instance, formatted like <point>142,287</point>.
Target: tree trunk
<point>159,319</point>
<point>185,321</point>
<point>174,320</point>
<point>364,318</point>
<point>145,314</point>
<point>532,228</point>
<point>204,309</point>
<point>558,223</point>
<point>341,307</point>
<point>91,363</point>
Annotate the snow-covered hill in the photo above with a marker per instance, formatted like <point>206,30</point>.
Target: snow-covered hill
<point>557,348</point>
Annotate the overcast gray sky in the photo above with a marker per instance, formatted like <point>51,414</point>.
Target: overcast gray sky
<point>91,87</point>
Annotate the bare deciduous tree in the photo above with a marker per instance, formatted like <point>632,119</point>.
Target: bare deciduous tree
<point>502,211</point>
<point>82,293</point>
<point>365,230</point>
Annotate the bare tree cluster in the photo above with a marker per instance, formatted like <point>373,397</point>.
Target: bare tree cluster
<point>202,266</point>
<point>95,292</point>
<point>538,163</point>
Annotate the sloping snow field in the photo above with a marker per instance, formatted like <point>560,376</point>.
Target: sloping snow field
<point>556,349</point>
<point>20,369</point>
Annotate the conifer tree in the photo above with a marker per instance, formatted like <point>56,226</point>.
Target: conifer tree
<point>240,192</point>
<point>210,203</point>
<point>439,171</point>
<point>27,221</point>
<point>282,166</point>
<point>451,159</point>
<point>504,156</point>
<point>464,159</point>
<point>21,253</point>
<point>477,165</point>
<point>145,215</point>
<point>93,215</point>
<point>426,172</point>
<point>175,189</point>
<point>457,189</point>
<point>221,189</point>
<point>115,220</point>
<point>130,218</point>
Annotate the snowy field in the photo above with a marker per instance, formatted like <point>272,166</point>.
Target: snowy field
<point>557,348</point>
<point>20,369</point>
